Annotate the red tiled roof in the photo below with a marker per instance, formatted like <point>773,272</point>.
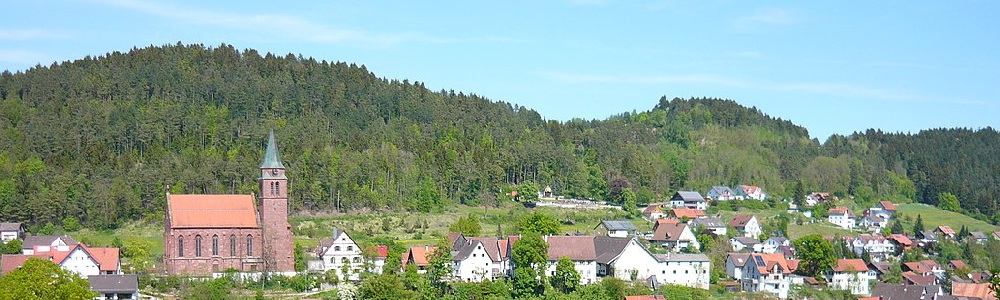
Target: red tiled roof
<point>379,252</point>
<point>978,290</point>
<point>770,260</point>
<point>918,279</point>
<point>793,264</point>
<point>902,239</point>
<point>887,205</point>
<point>107,258</point>
<point>740,220</point>
<point>10,262</point>
<point>958,264</point>
<point>850,265</point>
<point>840,210</point>
<point>651,209</point>
<point>687,212</point>
<point>419,254</point>
<point>212,211</point>
<point>946,229</point>
<point>668,232</point>
<point>917,267</point>
<point>667,221</point>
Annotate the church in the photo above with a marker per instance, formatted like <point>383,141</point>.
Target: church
<point>207,234</point>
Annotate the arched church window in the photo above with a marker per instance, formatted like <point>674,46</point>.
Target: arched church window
<point>277,188</point>
<point>180,246</point>
<point>249,245</point>
<point>215,245</point>
<point>232,245</point>
<point>197,246</point>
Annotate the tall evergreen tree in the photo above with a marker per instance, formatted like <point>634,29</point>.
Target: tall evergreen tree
<point>919,225</point>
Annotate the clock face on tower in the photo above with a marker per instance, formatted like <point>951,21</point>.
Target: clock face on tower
<point>274,172</point>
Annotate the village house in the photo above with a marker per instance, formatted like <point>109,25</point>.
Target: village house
<point>46,243</point>
<point>979,237</point>
<point>885,291</point>
<point>692,270</point>
<point>925,267</point>
<point>418,257</point>
<point>711,225</point>
<point>772,244</point>
<point>340,253</point>
<point>926,238</point>
<point>973,291</point>
<point>911,278</point>
<point>76,258</point>
<point>579,249</point>
<point>945,232</point>
<point>735,263</point>
<point>747,226</point>
<point>615,228</point>
<point>767,273</point>
<point>652,212</point>
<point>721,193</point>
<point>750,192</point>
<point>842,216</point>
<point>688,199</point>
<point>683,213</point>
<point>623,258</point>
<point>901,242</point>
<point>113,287</point>
<point>880,268</point>
<point>874,223</point>
<point>877,246</point>
<point>816,197</point>
<point>851,275</point>
<point>674,237</point>
<point>883,209</point>
<point>479,258</point>
<point>741,242</point>
<point>11,231</point>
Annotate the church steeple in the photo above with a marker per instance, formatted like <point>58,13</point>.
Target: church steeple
<point>271,158</point>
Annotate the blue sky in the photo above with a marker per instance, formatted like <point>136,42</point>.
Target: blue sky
<point>828,66</point>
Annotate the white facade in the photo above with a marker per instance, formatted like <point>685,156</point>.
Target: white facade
<point>734,265</point>
<point>686,239</point>
<point>633,258</point>
<point>691,270</point>
<point>775,282</point>
<point>845,221</point>
<point>343,251</point>
<point>7,236</point>
<point>586,268</point>
<point>772,244</point>
<point>856,282</point>
<point>80,262</point>
<point>676,203</point>
<point>477,266</point>
<point>876,246</point>
<point>874,225</point>
<point>752,228</point>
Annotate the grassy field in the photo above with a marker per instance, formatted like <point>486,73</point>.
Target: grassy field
<point>822,228</point>
<point>934,216</point>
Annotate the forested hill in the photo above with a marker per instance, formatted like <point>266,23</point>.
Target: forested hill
<point>101,138</point>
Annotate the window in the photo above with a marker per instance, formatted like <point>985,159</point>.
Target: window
<point>215,245</point>
<point>350,248</point>
<point>180,246</point>
<point>249,245</point>
<point>333,260</point>
<point>232,245</point>
<point>357,259</point>
<point>197,246</point>
<point>344,260</point>
<point>336,248</point>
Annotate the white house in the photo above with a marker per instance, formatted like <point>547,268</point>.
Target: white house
<point>11,231</point>
<point>624,258</point>
<point>721,193</point>
<point>748,226</point>
<point>616,228</point>
<point>884,209</point>
<point>340,252</point>
<point>735,263</point>
<point>78,260</point>
<point>874,223</point>
<point>772,244</point>
<point>674,236</point>
<point>751,192</point>
<point>767,273</point>
<point>851,275</point>
<point>877,246</point>
<point>713,225</point>
<point>579,249</point>
<point>477,259</point>
<point>653,211</point>
<point>689,199</point>
<point>690,270</point>
<point>46,243</point>
<point>741,242</point>
<point>842,216</point>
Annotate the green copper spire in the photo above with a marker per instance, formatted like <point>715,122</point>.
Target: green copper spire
<point>271,158</point>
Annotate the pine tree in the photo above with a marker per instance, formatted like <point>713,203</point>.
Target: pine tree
<point>919,225</point>
<point>897,227</point>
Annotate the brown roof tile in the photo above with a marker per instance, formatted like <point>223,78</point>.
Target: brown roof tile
<point>10,262</point>
<point>212,211</point>
<point>887,205</point>
<point>978,290</point>
<point>687,212</point>
<point>668,232</point>
<point>850,265</point>
<point>575,247</point>
<point>739,221</point>
<point>419,254</point>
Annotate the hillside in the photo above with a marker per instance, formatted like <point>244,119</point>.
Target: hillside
<point>101,139</point>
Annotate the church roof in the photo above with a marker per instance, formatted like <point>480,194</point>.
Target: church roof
<point>271,158</point>
<point>212,211</point>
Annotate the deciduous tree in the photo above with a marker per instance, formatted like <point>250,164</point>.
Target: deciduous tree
<point>816,254</point>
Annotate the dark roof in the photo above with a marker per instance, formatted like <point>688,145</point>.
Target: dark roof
<point>979,235</point>
<point>465,246</point>
<point>740,221</point>
<point>618,225</point>
<point>710,222</point>
<point>45,240</point>
<point>10,226</point>
<point>739,259</point>
<point>668,232</point>
<point>746,240</point>
<point>608,248</point>
<point>271,158</point>
<point>114,283</point>
<point>897,291</point>
<point>720,190</point>
<point>577,248</point>
<point>688,196</point>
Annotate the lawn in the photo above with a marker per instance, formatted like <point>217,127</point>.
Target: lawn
<point>820,227</point>
<point>933,216</point>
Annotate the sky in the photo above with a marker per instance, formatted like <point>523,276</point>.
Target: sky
<point>829,66</point>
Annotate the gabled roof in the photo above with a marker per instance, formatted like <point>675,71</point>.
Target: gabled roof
<point>927,234</point>
<point>918,279</point>
<point>875,219</point>
<point>850,265</point>
<point>668,232</point>
<point>652,208</point>
<point>10,226</point>
<point>765,263</point>
<point>617,225</point>
<point>749,189</point>
<point>897,291</point>
<point>379,251</point>
<point>10,262</point>
<point>868,238</point>
<point>107,258</point>
<point>491,246</point>
<point>608,248</point>
<point>720,190</point>
<point>887,205</point>
<point>901,239</point>
<point>418,254</point>
<point>740,221</point>
<point>689,213</point>
<point>946,230</point>
<point>881,266</point>
<point>577,248</point>
<point>122,283</point>
<point>978,290</point>
<point>709,222</point>
<point>979,235</point>
<point>840,210</point>
<point>738,259</point>
<point>665,221</point>
<point>688,196</point>
<point>748,241</point>
<point>777,240</point>
<point>958,264</point>
<point>212,211</point>
<point>45,240</point>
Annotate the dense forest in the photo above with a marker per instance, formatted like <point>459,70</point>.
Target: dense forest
<point>103,138</point>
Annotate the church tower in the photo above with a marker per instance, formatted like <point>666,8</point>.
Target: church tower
<point>276,233</point>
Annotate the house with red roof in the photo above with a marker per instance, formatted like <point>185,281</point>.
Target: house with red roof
<point>480,258</point>
<point>419,257</point>
<point>750,192</point>
<point>340,253</point>
<point>767,273</point>
<point>851,275</point>
<point>653,212</point>
<point>683,212</point>
<point>946,232</point>
<point>842,216</point>
<point>78,258</point>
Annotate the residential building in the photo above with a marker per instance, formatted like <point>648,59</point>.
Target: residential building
<point>751,192</point>
<point>926,237</point>
<point>979,237</point>
<point>419,257</point>
<point>874,223</point>
<point>747,225</point>
<point>623,258</point>
<point>851,275</point>
<point>684,213</point>
<point>712,225</point>
<point>911,278</point>
<point>877,246</point>
<point>925,267</point>
<point>901,242</point>
<point>46,243</point>
<point>579,249</point>
<point>208,234</point>
<point>884,209</point>
<point>78,258</point>
<point>689,199</point>
<point>113,287</point>
<point>842,216</point>
<point>653,212</point>
<point>692,270</point>
<point>735,263</point>
<point>479,258</point>
<point>741,242</point>
<point>771,245</point>
<point>973,290</point>
<point>11,231</point>
<point>945,232</point>
<point>339,254</point>
<point>886,291</point>
<point>674,237</point>
<point>767,273</point>
<point>615,228</point>
<point>721,193</point>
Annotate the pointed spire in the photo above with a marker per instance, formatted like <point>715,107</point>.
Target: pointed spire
<point>271,158</point>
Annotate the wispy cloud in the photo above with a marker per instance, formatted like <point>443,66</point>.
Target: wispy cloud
<point>832,89</point>
<point>30,34</point>
<point>285,26</point>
